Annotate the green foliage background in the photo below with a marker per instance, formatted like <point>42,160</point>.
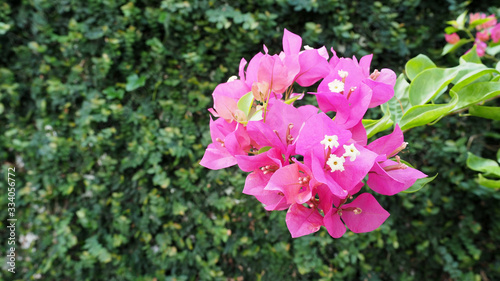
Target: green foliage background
<point>103,114</point>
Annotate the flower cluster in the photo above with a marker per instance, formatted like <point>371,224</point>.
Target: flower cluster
<point>300,159</point>
<point>486,28</point>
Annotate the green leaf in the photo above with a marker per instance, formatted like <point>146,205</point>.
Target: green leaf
<point>256,116</point>
<point>471,75</point>
<point>488,182</point>
<point>112,93</point>
<point>461,20</point>
<point>291,100</point>
<point>134,82</point>
<point>480,164</point>
<point>479,22</point>
<point>374,126</point>
<point>470,56</point>
<point>264,149</point>
<point>450,29</point>
<point>400,100</point>
<point>475,93</point>
<point>448,48</point>
<point>488,112</point>
<point>422,114</point>
<point>419,184</point>
<point>497,67</point>
<point>245,103</point>
<point>418,64</point>
<point>429,83</point>
<point>498,156</point>
<point>492,51</point>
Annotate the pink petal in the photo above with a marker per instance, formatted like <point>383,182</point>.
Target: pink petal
<point>291,43</point>
<point>215,158</point>
<point>359,134</point>
<point>314,131</point>
<point>241,72</point>
<point>333,224</point>
<point>355,170</point>
<point>251,163</point>
<point>313,67</point>
<point>392,182</point>
<point>371,217</point>
<point>364,63</point>
<point>254,185</point>
<point>286,180</point>
<point>387,144</point>
<point>302,221</point>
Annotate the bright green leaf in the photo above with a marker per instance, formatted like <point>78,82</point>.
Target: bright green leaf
<point>423,114</point>
<point>488,112</point>
<point>418,64</point>
<point>470,56</point>
<point>374,126</point>
<point>492,51</point>
<point>471,76</point>
<point>488,182</point>
<point>291,100</point>
<point>429,83</point>
<point>475,93</point>
<point>450,29</point>
<point>245,103</point>
<point>480,164</point>
<point>419,184</point>
<point>479,22</point>
<point>448,48</point>
<point>264,149</point>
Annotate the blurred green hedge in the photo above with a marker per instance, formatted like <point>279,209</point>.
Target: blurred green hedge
<point>103,114</point>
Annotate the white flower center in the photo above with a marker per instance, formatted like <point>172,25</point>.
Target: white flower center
<point>343,74</point>
<point>336,163</point>
<point>351,151</point>
<point>336,86</point>
<point>330,141</point>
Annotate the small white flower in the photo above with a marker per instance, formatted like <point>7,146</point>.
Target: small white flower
<point>351,151</point>
<point>336,86</point>
<point>336,163</point>
<point>343,74</point>
<point>330,141</point>
<point>232,78</point>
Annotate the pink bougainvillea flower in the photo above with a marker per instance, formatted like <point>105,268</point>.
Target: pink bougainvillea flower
<point>483,36</point>
<point>334,159</point>
<point>350,89</point>
<point>363,214</point>
<point>226,96</point>
<point>452,38</point>
<point>495,33</point>
<point>388,177</point>
<point>228,140</point>
<point>302,221</point>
